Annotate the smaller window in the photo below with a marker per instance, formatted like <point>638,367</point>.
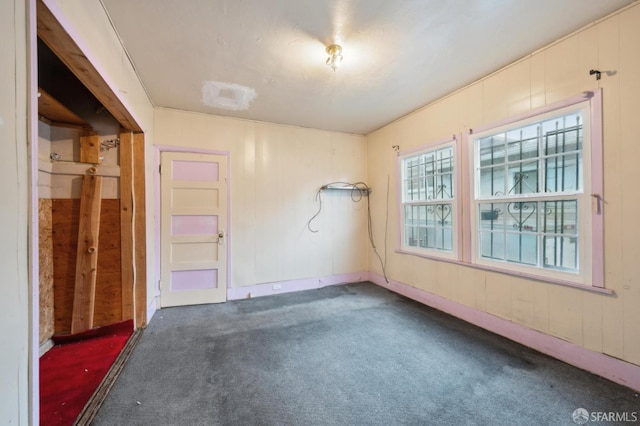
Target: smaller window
<point>428,201</point>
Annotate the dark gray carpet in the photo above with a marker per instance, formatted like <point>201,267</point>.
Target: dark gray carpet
<point>346,355</point>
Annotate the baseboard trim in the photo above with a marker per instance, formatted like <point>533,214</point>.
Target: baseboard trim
<point>610,368</point>
<point>45,346</point>
<point>278,287</point>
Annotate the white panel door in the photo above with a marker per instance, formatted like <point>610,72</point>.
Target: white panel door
<point>193,235</point>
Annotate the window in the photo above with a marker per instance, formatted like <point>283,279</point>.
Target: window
<point>428,201</point>
<point>531,205</point>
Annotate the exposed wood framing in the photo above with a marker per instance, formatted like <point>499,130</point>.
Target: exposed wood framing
<point>58,114</point>
<point>60,42</point>
<point>87,258</point>
<point>90,148</point>
<point>126,223</point>
<point>140,234</point>
<point>132,259</point>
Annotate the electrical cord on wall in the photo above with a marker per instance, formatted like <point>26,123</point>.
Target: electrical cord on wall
<point>358,190</point>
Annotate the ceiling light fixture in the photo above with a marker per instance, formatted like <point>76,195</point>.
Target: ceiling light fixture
<point>335,56</point>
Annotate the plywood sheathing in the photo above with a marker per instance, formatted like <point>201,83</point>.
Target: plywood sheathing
<point>46,269</point>
<point>108,301</point>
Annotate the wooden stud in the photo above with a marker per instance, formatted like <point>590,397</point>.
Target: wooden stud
<point>87,257</point>
<point>90,149</point>
<point>60,42</point>
<point>140,234</point>
<point>126,223</point>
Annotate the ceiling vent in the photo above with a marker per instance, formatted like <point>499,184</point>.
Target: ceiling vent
<point>229,96</point>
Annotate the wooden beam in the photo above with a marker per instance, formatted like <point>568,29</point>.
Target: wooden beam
<point>90,149</point>
<point>87,257</point>
<point>50,108</point>
<point>140,233</point>
<point>126,223</point>
<point>60,42</point>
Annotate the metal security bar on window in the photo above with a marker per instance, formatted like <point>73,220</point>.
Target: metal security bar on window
<point>517,170</point>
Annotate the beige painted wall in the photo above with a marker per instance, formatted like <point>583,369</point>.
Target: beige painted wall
<point>607,324</point>
<point>14,216</point>
<point>275,173</point>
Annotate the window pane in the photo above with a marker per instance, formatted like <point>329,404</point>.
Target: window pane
<point>444,187</point>
<point>422,237</point>
<point>442,214</point>
<point>522,143</point>
<point>523,178</point>
<point>447,239</point>
<point>522,248</point>
<point>562,134</point>
<point>561,217</point>
<point>547,153</point>
<point>492,150</point>
<point>492,181</point>
<point>445,160</point>
<point>522,217</point>
<point>429,176</point>
<point>422,215</point>
<point>563,172</point>
<point>492,245</point>
<point>492,216</point>
<point>561,253</point>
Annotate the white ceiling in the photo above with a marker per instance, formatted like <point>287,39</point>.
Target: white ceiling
<point>398,54</point>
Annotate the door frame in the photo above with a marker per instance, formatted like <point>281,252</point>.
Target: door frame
<point>157,210</point>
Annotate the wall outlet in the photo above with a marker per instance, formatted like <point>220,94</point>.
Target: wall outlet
<point>277,286</point>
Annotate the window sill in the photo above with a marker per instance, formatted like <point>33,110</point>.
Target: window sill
<point>518,274</point>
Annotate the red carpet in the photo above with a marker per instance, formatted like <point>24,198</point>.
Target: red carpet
<point>72,370</point>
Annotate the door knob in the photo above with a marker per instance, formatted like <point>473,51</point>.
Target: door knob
<point>220,237</point>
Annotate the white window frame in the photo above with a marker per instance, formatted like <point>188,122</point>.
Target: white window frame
<point>454,201</point>
<point>589,197</point>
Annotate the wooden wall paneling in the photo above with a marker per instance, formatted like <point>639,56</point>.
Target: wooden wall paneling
<point>126,223</point>
<point>46,293</point>
<point>108,303</point>
<point>65,48</point>
<point>140,234</point>
<point>87,254</point>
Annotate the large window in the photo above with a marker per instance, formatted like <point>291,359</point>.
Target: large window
<point>531,199</point>
<point>428,201</point>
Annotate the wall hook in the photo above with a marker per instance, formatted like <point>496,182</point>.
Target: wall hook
<point>597,73</point>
